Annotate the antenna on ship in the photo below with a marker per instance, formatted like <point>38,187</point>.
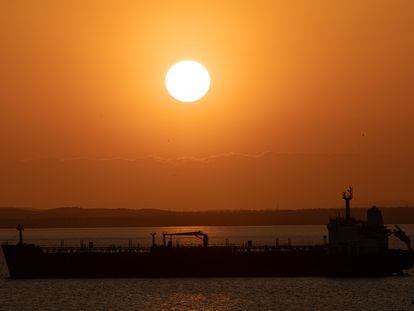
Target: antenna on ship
<point>348,196</point>
<point>20,229</point>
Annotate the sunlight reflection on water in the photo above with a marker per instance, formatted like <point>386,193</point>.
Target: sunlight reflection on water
<point>394,293</point>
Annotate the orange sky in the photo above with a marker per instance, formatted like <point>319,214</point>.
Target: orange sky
<point>85,79</point>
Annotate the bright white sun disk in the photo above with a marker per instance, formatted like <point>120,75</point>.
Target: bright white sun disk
<point>187,81</point>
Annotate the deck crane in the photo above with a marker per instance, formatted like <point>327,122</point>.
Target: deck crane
<point>198,234</point>
<point>401,235</point>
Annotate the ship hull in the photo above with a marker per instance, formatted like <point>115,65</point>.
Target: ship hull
<point>30,261</point>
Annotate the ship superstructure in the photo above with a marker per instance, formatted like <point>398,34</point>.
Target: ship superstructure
<point>348,235</point>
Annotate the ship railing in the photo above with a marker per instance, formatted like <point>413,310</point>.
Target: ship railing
<point>101,249</point>
<point>142,249</point>
<point>280,248</point>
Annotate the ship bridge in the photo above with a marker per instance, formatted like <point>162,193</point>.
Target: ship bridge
<point>351,236</point>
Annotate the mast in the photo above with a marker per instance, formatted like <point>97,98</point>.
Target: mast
<point>347,196</point>
<point>153,238</point>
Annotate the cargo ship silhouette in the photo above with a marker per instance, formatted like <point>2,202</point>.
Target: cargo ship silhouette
<point>354,248</point>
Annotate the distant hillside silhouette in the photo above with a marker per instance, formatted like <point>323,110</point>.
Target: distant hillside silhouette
<point>83,217</point>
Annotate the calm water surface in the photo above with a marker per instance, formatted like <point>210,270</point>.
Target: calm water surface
<point>392,293</point>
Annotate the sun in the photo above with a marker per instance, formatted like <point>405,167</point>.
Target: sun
<point>187,81</point>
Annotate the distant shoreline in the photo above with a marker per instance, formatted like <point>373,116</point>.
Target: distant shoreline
<point>74,217</point>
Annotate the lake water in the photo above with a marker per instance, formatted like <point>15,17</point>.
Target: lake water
<point>391,293</point>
